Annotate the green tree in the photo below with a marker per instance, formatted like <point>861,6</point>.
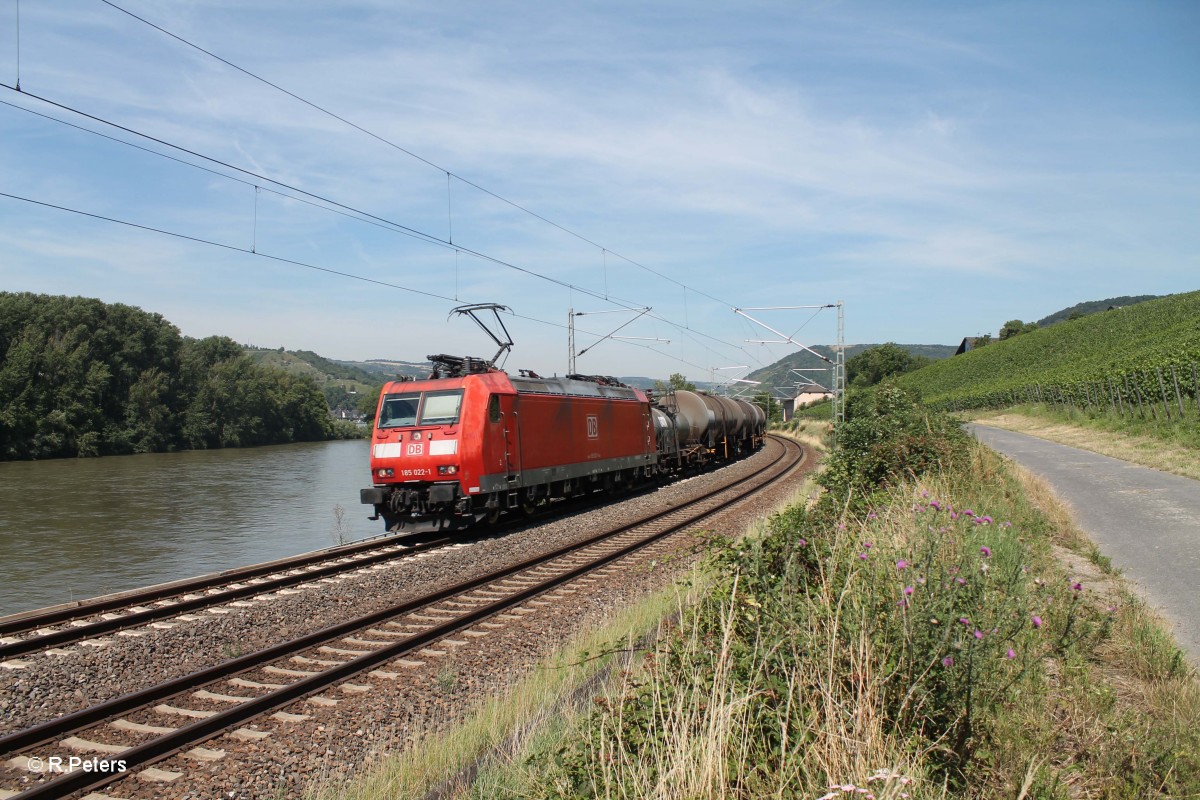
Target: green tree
<point>877,363</point>
<point>770,406</point>
<point>368,403</point>
<point>79,377</point>
<point>1015,327</point>
<point>676,382</point>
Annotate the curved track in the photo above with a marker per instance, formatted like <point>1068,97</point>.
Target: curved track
<point>27,633</point>
<point>268,680</point>
<point>72,623</point>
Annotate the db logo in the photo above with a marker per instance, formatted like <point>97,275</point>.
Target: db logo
<point>593,427</point>
<point>416,449</point>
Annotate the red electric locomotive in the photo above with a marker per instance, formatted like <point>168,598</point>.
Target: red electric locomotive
<point>449,451</point>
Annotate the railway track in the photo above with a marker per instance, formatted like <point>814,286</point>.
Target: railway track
<point>70,624</point>
<point>178,716</point>
<point>62,626</point>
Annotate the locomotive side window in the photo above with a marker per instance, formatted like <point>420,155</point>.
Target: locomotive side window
<point>494,408</point>
<point>441,408</point>
<point>399,410</point>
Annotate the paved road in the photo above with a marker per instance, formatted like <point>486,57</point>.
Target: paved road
<point>1146,521</point>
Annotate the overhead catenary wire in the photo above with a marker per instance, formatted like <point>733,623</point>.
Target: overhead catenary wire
<point>399,227</point>
<point>321,109</point>
<point>363,216</point>
<point>222,245</point>
<point>325,203</point>
<point>18,30</point>
<point>297,263</point>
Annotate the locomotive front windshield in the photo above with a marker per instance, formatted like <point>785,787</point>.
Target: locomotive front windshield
<point>432,408</point>
<point>441,408</point>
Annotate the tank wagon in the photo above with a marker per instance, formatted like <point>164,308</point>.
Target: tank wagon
<point>472,442</point>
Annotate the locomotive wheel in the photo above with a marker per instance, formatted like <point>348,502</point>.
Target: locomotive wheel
<point>493,515</point>
<point>530,507</point>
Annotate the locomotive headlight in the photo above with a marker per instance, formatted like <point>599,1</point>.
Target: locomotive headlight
<point>448,470</point>
<point>385,472</point>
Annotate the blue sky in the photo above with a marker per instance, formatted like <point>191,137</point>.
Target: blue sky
<point>940,167</point>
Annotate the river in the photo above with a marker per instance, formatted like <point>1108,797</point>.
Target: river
<point>76,528</point>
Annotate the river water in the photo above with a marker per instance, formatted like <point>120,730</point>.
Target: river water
<point>76,528</point>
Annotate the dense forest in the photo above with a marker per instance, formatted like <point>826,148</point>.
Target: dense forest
<point>1092,306</point>
<point>79,377</point>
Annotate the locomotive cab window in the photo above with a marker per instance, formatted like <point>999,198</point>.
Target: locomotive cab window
<point>441,408</point>
<point>399,410</point>
<point>494,408</point>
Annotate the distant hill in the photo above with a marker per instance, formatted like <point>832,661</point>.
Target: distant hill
<point>388,369</point>
<point>1124,346</point>
<point>779,373</point>
<point>344,383</point>
<point>1092,306</point>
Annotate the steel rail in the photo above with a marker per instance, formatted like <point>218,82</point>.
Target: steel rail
<point>136,618</point>
<point>195,733</point>
<point>31,620</point>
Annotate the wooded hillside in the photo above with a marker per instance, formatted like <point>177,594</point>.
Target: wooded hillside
<point>79,377</point>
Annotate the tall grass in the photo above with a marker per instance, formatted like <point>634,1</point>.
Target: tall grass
<point>926,645</point>
<point>1179,431</point>
<point>839,652</point>
<point>909,635</point>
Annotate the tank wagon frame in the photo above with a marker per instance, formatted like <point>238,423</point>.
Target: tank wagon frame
<point>453,450</point>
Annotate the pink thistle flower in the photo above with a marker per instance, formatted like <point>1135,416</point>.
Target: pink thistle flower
<point>1078,587</point>
<point>908,590</point>
<point>961,581</point>
<point>902,603</point>
<point>1006,524</point>
<point>841,526</point>
<point>987,551</point>
<point>802,542</point>
<point>872,515</point>
<point>1011,653</point>
<point>867,545</point>
<point>901,564</point>
<point>969,513</point>
<point>987,520</point>
<point>964,621</point>
<point>978,634</point>
<point>862,556</point>
<point>924,494</point>
<point>935,505</point>
<point>953,515</point>
<point>1036,620</point>
<point>948,661</point>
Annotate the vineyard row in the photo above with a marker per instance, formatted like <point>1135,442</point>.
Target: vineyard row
<point>1128,393</point>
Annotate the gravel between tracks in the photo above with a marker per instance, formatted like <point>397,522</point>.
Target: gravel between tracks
<point>335,739</point>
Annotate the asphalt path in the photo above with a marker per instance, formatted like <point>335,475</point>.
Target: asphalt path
<point>1146,521</point>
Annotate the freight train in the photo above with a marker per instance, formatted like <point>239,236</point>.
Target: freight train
<point>473,442</point>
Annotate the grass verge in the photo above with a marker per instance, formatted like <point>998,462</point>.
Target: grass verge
<point>1168,446</point>
<point>929,642</point>
<point>534,714</point>
<point>413,769</point>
